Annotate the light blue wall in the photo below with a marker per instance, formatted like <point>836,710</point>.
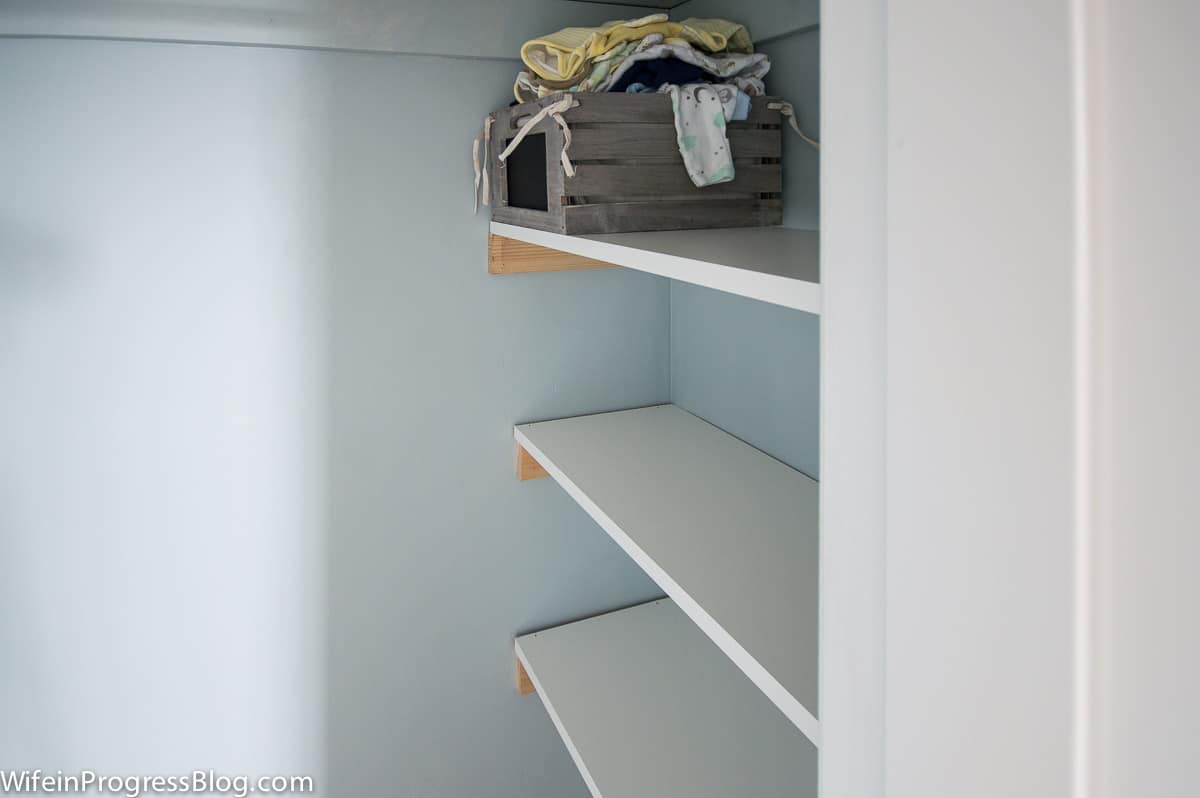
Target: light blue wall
<point>749,367</point>
<point>163,273</point>
<point>257,510</point>
<point>796,76</point>
<point>472,28</point>
<point>438,554</point>
<point>766,19</point>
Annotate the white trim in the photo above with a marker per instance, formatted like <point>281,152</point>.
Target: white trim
<point>853,385</point>
<point>1083,384</point>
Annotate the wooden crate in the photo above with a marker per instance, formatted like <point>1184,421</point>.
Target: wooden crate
<point>629,174</point>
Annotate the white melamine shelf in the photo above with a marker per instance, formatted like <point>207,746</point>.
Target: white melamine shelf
<point>728,532</point>
<point>648,706</point>
<point>772,264</point>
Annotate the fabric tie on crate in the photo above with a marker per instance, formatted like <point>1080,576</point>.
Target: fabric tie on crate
<point>555,111</point>
<point>481,174</point>
<point>786,109</point>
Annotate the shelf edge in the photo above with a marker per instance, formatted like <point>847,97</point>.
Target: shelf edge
<point>779,695</point>
<point>774,289</point>
<point>558,724</point>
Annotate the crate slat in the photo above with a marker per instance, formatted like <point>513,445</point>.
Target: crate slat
<point>663,179</point>
<point>630,142</point>
<point>617,109</point>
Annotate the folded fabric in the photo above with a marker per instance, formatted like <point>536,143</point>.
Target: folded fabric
<point>567,54</point>
<point>562,55</point>
<point>746,72</point>
<point>701,111</point>
<point>530,87</point>
<point>655,73</point>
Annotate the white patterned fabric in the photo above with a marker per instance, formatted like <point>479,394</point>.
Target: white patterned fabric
<point>701,111</point>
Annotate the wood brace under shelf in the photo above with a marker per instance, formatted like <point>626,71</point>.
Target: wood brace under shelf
<point>527,466</point>
<point>509,256</point>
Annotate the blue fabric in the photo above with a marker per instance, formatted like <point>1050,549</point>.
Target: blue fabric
<point>742,109</point>
<point>654,73</point>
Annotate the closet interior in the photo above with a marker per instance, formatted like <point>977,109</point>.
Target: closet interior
<point>712,690</point>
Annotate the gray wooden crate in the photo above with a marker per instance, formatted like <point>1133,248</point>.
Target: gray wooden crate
<point>629,174</point>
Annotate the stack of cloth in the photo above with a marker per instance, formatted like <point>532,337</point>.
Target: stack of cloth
<point>707,66</point>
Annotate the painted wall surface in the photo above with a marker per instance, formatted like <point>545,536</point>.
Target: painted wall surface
<point>257,509</point>
<point>766,19</point>
<point>796,77</point>
<point>749,367</point>
<point>980,392</point>
<point>438,555</point>
<point>487,29</point>
<point>163,269</point>
<point>1142,172</point>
